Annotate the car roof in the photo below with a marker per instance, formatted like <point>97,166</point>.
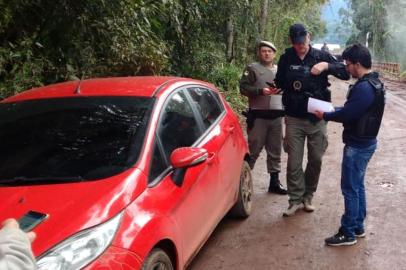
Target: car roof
<point>145,86</point>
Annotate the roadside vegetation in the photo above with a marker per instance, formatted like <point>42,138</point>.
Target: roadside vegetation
<point>47,41</point>
<point>381,25</point>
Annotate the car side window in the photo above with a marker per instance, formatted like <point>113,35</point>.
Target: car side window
<point>207,105</point>
<point>178,125</point>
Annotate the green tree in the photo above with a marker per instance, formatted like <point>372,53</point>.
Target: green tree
<point>46,41</point>
<point>378,29</point>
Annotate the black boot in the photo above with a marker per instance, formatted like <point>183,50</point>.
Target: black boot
<point>275,185</point>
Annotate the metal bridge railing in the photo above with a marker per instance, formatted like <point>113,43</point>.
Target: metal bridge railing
<point>390,70</point>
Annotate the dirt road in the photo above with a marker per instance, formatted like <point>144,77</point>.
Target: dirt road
<point>266,240</point>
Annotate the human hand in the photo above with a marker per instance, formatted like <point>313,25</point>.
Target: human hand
<point>270,91</point>
<point>318,68</point>
<point>319,114</point>
<point>11,223</point>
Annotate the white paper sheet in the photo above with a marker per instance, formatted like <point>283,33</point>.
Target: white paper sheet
<point>276,102</point>
<point>319,105</point>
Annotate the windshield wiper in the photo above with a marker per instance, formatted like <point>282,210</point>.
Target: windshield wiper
<point>22,180</point>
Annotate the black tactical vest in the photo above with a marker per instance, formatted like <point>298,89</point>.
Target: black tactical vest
<point>301,85</point>
<point>368,125</point>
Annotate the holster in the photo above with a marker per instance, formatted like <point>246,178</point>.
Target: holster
<point>250,118</point>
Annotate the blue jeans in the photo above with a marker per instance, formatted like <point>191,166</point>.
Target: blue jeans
<point>355,161</point>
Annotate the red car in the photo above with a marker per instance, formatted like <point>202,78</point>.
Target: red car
<point>132,173</point>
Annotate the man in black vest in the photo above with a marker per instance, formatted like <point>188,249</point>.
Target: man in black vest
<point>302,73</point>
<point>264,117</point>
<point>361,116</point>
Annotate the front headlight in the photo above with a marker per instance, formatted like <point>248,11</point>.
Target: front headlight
<point>80,249</point>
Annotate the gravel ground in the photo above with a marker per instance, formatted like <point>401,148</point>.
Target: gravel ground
<point>266,240</point>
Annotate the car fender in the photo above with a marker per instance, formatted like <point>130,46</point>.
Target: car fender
<point>142,231</point>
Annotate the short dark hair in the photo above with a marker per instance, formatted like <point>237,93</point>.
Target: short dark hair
<point>358,53</point>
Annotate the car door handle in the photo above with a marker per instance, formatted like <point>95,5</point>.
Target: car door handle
<point>230,128</point>
<point>210,158</point>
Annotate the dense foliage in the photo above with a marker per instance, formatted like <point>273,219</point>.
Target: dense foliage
<point>380,24</point>
<point>46,41</point>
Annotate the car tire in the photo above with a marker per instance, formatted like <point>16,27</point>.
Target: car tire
<point>158,260</point>
<point>242,208</point>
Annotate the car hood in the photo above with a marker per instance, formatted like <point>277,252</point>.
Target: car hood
<point>72,207</point>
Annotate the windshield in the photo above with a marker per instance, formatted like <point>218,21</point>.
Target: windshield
<point>70,139</point>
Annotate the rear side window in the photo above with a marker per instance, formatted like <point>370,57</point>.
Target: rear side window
<point>208,106</point>
<point>178,125</point>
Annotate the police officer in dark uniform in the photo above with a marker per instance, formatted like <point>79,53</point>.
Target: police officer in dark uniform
<point>264,117</point>
<point>302,73</point>
<point>361,116</point>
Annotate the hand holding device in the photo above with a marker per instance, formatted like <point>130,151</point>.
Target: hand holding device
<point>274,89</point>
<point>11,223</point>
<point>31,219</point>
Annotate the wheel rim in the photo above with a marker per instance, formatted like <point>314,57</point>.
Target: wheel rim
<point>246,189</point>
<point>160,266</point>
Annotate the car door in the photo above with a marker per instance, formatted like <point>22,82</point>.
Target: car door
<point>230,160</point>
<point>192,206</point>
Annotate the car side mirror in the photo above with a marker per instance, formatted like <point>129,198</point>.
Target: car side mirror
<point>183,158</point>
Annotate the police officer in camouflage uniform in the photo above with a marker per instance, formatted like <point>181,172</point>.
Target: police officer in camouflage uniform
<point>303,73</point>
<point>264,120</point>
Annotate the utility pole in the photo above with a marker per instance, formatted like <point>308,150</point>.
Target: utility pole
<point>367,37</point>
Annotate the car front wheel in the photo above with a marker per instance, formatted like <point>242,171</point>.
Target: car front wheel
<point>157,260</point>
<point>242,208</point>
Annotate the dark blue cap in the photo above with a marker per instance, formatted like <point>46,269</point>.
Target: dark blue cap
<point>297,33</point>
